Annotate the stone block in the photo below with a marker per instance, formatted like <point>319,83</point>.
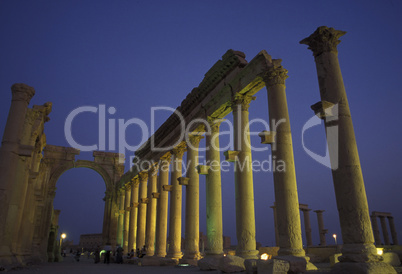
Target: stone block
<point>296,264</point>
<point>272,266</point>
<point>231,264</point>
<point>209,263</point>
<point>251,266</point>
<point>391,258</point>
<point>333,259</point>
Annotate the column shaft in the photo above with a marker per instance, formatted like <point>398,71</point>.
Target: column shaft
<point>286,197</point>
<point>245,216</point>
<point>275,226</point>
<point>132,232</point>
<point>142,210</point>
<point>393,230</point>
<point>214,192</point>
<point>384,230</point>
<point>376,230</point>
<point>120,224</point>
<point>127,201</point>
<point>162,207</point>
<point>151,212</point>
<point>307,226</point>
<point>321,229</point>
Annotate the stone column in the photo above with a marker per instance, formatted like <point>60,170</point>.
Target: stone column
<point>384,230</point>
<point>192,225</point>
<point>321,229</point>
<point>214,191</point>
<point>132,232</point>
<point>307,226</point>
<point>175,204</point>
<point>376,231</point>
<point>106,218</point>
<point>393,230</point>
<point>142,210</point>
<point>151,211</point>
<point>9,158</point>
<point>245,216</point>
<point>114,219</point>
<point>275,226</point>
<point>286,197</point>
<point>127,202</point>
<point>120,224</point>
<point>162,206</point>
<point>357,235</point>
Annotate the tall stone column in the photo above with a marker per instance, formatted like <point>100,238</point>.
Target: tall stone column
<point>384,230</point>
<point>393,230</point>
<point>132,232</point>
<point>9,158</point>
<point>192,225</point>
<point>214,191</point>
<point>357,235</point>
<point>307,226</point>
<point>151,212</point>
<point>321,229</point>
<point>127,202</point>
<point>142,210</point>
<point>275,226</point>
<point>120,224</point>
<point>286,197</point>
<point>162,206</point>
<point>106,217</point>
<point>175,204</point>
<point>244,192</point>
<point>376,230</point>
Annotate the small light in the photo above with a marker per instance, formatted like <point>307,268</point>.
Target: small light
<point>380,251</point>
<point>224,255</point>
<point>264,256</point>
<point>63,236</point>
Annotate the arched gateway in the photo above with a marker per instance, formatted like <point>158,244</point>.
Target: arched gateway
<point>109,165</point>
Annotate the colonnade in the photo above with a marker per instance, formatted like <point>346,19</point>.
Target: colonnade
<point>382,216</point>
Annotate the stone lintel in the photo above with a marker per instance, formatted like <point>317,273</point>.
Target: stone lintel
<point>323,109</point>
<point>144,200</point>
<point>303,207</point>
<point>267,137</point>
<point>231,155</point>
<point>183,181</point>
<point>203,169</point>
<point>319,211</point>
<point>167,187</point>
<point>156,195</point>
<point>381,214</point>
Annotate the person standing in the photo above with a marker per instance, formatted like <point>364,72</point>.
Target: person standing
<point>108,249</point>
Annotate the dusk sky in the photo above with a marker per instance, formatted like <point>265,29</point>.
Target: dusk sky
<point>134,55</point>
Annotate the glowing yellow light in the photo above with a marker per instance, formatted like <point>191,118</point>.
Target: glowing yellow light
<point>264,256</point>
<point>380,251</point>
<point>334,236</point>
<point>63,236</point>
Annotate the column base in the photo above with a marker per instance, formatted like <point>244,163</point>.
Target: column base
<point>360,267</point>
<point>174,255</point>
<point>359,253</point>
<point>193,262</point>
<point>213,253</point>
<point>247,254</point>
<point>160,255</point>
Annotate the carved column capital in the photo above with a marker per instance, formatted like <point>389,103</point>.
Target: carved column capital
<point>324,39</point>
<point>214,123</point>
<point>241,100</point>
<point>22,92</point>
<point>276,75</point>
<point>143,176</point>
<point>135,181</point>
<point>179,150</point>
<point>194,140</point>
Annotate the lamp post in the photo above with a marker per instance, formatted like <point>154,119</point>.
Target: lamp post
<point>62,237</point>
<point>335,239</point>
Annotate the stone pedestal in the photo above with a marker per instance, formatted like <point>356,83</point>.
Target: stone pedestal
<point>192,221</point>
<point>142,210</point>
<point>175,204</point>
<point>358,249</point>
<point>245,215</point>
<point>132,231</point>
<point>286,198</point>
<point>151,212</point>
<point>162,206</point>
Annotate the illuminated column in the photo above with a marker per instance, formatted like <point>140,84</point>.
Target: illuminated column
<point>114,218</point>
<point>142,210</point>
<point>151,212</point>
<point>132,232</point>
<point>9,158</point>
<point>384,230</point>
<point>120,224</point>
<point>175,204</point>
<point>307,226</point>
<point>376,231</point>
<point>127,201</point>
<point>321,229</point>
<point>214,191</point>
<point>393,230</point>
<point>245,216</point>
<point>192,225</point>
<point>106,217</point>
<point>347,175</point>
<point>162,206</point>
<point>286,197</point>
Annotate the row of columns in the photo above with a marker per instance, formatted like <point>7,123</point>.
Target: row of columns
<point>377,237</point>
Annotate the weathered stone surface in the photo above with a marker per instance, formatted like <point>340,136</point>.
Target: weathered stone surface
<point>391,258</point>
<point>209,263</point>
<point>251,266</point>
<point>230,264</point>
<point>297,264</point>
<point>362,268</point>
<point>272,266</point>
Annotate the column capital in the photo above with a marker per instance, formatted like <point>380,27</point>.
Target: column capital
<point>275,75</point>
<point>135,181</point>
<point>166,158</point>
<point>193,140</point>
<point>22,92</point>
<point>324,39</point>
<point>214,123</point>
<point>319,211</point>
<point>179,150</point>
<point>241,100</point>
<point>143,176</point>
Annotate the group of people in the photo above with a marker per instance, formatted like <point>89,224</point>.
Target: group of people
<point>118,254</point>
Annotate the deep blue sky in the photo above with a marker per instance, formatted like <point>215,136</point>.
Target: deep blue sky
<point>134,55</point>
